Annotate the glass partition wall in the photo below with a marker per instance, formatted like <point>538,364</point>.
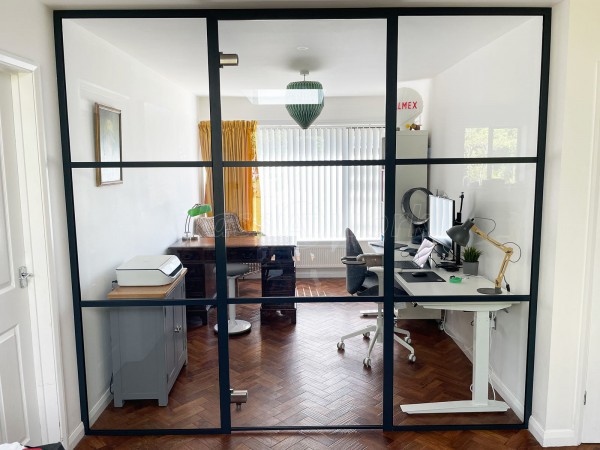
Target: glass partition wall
<point>338,150</point>
<point>466,178</point>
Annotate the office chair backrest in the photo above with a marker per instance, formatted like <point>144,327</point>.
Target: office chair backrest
<point>355,274</point>
<point>205,226</point>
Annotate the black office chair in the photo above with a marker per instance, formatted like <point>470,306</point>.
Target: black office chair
<point>359,280</point>
<point>362,281</point>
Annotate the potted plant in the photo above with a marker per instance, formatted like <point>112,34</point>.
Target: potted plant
<point>471,260</point>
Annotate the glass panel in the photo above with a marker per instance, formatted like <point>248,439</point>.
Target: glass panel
<point>150,367</point>
<point>130,66</point>
<point>346,116</point>
<point>145,216</point>
<point>288,225</point>
<point>295,375</point>
<point>490,194</point>
<point>446,354</point>
<point>475,90</point>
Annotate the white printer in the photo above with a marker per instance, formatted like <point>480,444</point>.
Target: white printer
<point>149,271</point>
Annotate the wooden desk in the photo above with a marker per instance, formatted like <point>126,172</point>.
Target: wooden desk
<point>149,343</point>
<point>275,254</point>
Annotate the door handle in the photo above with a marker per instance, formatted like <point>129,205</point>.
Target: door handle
<point>23,276</point>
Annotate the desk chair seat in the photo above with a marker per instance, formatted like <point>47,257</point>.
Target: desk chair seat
<point>234,325</point>
<point>364,276</point>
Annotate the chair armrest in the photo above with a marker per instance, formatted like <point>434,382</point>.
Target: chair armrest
<point>352,261</point>
<point>371,259</point>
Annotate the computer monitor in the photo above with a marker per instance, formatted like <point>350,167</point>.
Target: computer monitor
<point>441,218</point>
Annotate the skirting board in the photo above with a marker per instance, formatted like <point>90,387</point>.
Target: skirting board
<point>100,406</point>
<point>75,437</point>
<point>552,438</point>
<point>499,386</point>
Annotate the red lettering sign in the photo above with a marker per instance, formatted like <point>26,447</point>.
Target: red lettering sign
<point>407,105</point>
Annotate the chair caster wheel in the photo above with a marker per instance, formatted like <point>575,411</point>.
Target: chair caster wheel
<point>366,335</point>
<point>341,346</point>
<point>407,339</point>
<point>367,362</point>
<point>412,358</point>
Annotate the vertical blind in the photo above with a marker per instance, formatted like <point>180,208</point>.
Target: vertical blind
<point>319,202</point>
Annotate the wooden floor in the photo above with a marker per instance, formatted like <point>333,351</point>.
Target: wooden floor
<point>335,440</point>
<point>296,376</point>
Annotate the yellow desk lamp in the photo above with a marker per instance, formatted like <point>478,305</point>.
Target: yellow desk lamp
<point>460,235</point>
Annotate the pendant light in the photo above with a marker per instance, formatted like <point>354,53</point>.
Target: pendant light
<point>309,104</point>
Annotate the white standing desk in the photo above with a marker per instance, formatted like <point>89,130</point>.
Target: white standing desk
<point>407,312</point>
<point>479,401</point>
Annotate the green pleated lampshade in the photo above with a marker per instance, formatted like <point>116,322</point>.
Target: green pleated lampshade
<point>198,209</point>
<point>305,114</point>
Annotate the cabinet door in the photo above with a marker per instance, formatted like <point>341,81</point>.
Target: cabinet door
<point>170,361</point>
<point>179,341</point>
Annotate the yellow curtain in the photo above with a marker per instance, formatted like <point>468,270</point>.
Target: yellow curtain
<point>242,191</point>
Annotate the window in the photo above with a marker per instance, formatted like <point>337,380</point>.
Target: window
<point>319,202</point>
<point>491,142</point>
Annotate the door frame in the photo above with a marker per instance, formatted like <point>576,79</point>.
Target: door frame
<point>34,194</point>
<point>588,365</point>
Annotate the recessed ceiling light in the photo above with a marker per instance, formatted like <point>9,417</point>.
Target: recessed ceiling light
<point>301,49</point>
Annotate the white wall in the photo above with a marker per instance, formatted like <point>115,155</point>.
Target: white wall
<point>26,31</point>
<point>144,214</point>
<point>495,87</point>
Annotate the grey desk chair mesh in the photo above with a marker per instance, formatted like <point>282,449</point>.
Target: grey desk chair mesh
<point>205,227</point>
<point>364,282</point>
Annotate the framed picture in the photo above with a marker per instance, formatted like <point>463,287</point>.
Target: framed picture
<point>108,144</point>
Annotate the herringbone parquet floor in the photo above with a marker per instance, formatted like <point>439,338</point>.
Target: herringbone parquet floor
<point>295,376</point>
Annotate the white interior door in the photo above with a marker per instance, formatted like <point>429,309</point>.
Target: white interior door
<point>19,415</point>
<point>590,430</point>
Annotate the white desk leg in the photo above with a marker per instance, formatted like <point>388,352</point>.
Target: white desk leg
<point>481,357</point>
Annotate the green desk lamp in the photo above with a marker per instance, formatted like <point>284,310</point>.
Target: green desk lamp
<point>194,211</point>
<point>460,235</point>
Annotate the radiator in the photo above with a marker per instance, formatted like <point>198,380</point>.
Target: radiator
<point>315,255</point>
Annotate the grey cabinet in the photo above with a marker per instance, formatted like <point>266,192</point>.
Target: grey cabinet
<point>149,344</point>
<point>410,145</point>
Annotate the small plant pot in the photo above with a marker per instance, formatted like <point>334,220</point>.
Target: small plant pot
<point>471,268</point>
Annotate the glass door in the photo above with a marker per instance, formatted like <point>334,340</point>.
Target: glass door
<point>303,137</point>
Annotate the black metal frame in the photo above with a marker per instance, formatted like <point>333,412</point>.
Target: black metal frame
<point>390,15</point>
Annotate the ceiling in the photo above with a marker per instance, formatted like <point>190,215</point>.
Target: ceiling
<point>346,56</point>
<point>252,4</point>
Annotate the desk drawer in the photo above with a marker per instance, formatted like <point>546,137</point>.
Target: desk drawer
<point>195,255</point>
<point>195,271</point>
<point>279,279</point>
<point>200,280</point>
<point>283,288</point>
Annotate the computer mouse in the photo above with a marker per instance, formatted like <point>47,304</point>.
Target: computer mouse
<point>419,274</point>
